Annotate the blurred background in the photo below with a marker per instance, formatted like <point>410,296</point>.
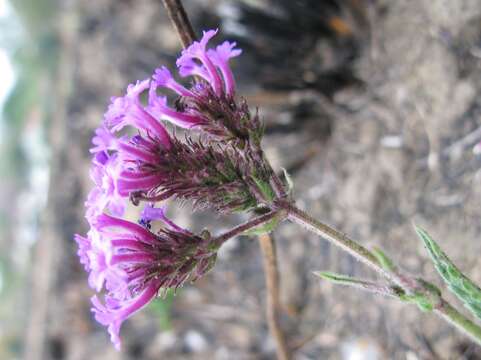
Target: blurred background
<point>373,107</point>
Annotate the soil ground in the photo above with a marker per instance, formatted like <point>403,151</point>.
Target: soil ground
<point>375,119</point>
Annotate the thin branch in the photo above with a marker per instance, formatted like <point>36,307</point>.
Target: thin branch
<point>181,22</point>
<point>271,271</point>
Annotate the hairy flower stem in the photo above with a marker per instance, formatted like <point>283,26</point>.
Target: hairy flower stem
<point>410,285</point>
<point>447,312</point>
<point>249,225</point>
<point>268,248</point>
<point>341,240</point>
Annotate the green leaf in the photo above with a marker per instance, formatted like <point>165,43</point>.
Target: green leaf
<point>383,259</point>
<point>345,280</point>
<point>338,278</point>
<point>458,283</point>
<point>162,308</point>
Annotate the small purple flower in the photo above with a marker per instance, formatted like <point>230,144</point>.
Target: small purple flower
<point>104,173</point>
<point>197,51</point>
<point>151,213</point>
<point>129,110</point>
<point>158,106</point>
<point>220,57</point>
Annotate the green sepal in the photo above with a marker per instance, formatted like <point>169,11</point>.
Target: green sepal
<point>458,283</point>
<point>265,189</point>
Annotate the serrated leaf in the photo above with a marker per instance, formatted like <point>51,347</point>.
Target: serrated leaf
<point>458,283</point>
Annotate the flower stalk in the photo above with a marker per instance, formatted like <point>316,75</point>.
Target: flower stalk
<point>250,225</point>
<point>416,290</point>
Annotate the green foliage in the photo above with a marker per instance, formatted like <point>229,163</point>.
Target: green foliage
<point>339,278</point>
<point>466,290</point>
<point>383,259</point>
<point>162,308</point>
<point>380,289</point>
<point>37,15</point>
<point>420,300</point>
<point>265,188</point>
<point>427,299</point>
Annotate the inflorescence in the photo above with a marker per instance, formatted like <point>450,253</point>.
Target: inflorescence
<point>218,164</point>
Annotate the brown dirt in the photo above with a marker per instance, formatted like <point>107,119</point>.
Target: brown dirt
<point>390,148</point>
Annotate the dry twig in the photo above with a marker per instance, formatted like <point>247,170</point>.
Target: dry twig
<point>272,284</point>
<point>181,22</point>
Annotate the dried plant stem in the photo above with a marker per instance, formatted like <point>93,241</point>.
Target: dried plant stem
<point>409,284</point>
<point>271,271</point>
<point>181,22</point>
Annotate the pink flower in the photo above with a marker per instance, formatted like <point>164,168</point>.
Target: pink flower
<point>133,264</point>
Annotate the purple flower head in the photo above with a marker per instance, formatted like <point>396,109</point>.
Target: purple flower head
<point>209,104</point>
<point>154,165</point>
<point>133,264</point>
<point>135,158</point>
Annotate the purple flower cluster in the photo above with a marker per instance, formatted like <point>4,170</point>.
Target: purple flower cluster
<point>133,264</point>
<point>128,261</point>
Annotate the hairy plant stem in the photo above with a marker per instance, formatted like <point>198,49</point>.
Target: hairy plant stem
<point>268,248</point>
<point>249,225</point>
<point>339,239</point>
<point>409,284</point>
<point>447,312</point>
